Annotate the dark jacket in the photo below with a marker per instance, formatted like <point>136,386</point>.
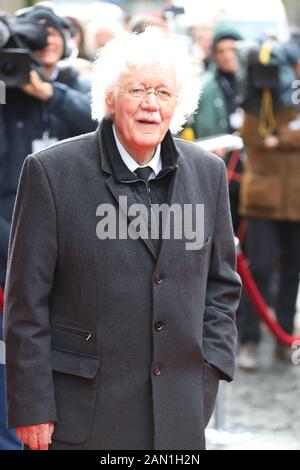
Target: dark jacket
<point>24,119</point>
<point>219,98</point>
<point>84,344</point>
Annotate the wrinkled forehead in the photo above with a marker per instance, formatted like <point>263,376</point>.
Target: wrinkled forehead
<point>150,76</point>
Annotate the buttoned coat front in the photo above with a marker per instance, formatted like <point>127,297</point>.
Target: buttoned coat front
<point>121,348</point>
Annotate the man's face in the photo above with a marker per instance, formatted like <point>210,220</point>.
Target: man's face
<point>103,36</point>
<point>226,55</point>
<point>141,123</point>
<point>204,40</point>
<point>54,49</point>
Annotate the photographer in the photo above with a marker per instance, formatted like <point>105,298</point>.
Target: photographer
<point>39,113</point>
<point>270,190</point>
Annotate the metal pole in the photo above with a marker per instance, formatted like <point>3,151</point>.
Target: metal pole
<point>219,413</point>
<point>219,436</point>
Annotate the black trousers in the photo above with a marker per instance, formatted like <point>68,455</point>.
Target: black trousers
<point>273,249</point>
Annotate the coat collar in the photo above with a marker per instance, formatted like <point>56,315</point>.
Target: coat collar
<point>112,162</point>
<point>118,174</point>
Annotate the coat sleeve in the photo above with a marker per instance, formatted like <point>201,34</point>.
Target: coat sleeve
<point>3,139</point>
<point>250,135</point>
<point>4,225</point>
<point>223,290</point>
<point>4,237</point>
<point>288,138</point>
<point>73,107</point>
<point>31,265</point>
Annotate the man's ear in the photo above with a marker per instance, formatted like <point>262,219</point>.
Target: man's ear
<point>110,103</point>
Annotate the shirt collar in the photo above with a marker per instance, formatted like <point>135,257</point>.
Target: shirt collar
<point>155,162</point>
<point>112,162</point>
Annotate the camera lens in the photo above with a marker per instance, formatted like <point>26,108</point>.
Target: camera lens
<point>10,68</point>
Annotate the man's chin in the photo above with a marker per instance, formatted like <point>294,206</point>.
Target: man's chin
<point>148,141</point>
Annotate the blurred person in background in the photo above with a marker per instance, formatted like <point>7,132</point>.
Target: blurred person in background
<point>202,45</point>
<point>128,335</point>
<point>139,23</point>
<point>98,34</point>
<point>79,60</point>
<point>219,105</point>
<point>221,87</point>
<point>39,114</point>
<point>270,190</point>
<point>77,34</point>
<point>43,111</point>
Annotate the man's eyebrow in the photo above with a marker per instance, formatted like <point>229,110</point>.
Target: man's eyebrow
<point>144,85</point>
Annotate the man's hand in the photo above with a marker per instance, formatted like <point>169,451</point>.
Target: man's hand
<point>220,152</point>
<point>37,436</point>
<point>271,141</point>
<point>38,88</point>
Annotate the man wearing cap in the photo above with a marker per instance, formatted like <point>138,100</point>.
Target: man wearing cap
<point>221,91</point>
<point>218,109</point>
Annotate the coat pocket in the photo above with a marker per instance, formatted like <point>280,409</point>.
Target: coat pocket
<point>204,248</point>
<point>65,337</point>
<point>75,383</point>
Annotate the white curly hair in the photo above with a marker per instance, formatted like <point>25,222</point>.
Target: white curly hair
<point>153,48</point>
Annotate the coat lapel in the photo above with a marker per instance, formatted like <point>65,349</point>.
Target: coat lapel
<point>181,193</point>
<point>123,189</point>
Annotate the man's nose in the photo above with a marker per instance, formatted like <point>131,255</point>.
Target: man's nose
<point>150,101</point>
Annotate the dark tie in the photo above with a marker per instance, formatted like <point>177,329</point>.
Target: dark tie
<point>143,173</point>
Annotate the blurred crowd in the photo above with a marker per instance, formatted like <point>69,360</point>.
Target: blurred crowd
<point>249,90</point>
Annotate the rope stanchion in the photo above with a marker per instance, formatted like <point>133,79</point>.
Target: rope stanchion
<point>259,304</point>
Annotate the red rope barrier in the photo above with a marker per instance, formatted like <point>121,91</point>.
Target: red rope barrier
<point>232,174</point>
<point>259,304</point>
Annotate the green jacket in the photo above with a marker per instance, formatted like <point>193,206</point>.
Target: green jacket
<point>211,117</point>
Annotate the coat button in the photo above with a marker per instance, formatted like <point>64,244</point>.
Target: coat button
<point>158,278</point>
<point>156,369</point>
<point>218,102</point>
<point>159,325</point>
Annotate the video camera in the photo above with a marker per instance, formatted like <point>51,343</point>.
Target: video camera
<point>262,74</point>
<point>269,66</point>
<point>19,37</point>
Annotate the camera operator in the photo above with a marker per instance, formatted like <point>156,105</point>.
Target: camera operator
<point>39,113</point>
<point>36,115</point>
<point>270,190</point>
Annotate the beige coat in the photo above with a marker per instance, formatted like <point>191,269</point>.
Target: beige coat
<point>271,183</point>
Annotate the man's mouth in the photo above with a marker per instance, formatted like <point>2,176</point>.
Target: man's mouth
<point>148,122</point>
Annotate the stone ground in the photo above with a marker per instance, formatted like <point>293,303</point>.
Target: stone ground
<point>262,409</point>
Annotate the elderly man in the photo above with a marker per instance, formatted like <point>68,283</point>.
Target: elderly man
<point>117,336</point>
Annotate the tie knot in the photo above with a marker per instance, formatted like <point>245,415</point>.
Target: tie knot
<point>143,172</point>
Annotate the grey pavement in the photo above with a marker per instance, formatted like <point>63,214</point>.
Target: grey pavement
<point>261,409</point>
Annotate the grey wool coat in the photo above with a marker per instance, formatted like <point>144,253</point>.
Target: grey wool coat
<point>84,348</point>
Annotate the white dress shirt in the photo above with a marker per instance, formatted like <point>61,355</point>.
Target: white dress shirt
<point>155,162</point>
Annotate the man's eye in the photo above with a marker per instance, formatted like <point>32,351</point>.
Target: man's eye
<point>164,93</point>
<point>137,91</point>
